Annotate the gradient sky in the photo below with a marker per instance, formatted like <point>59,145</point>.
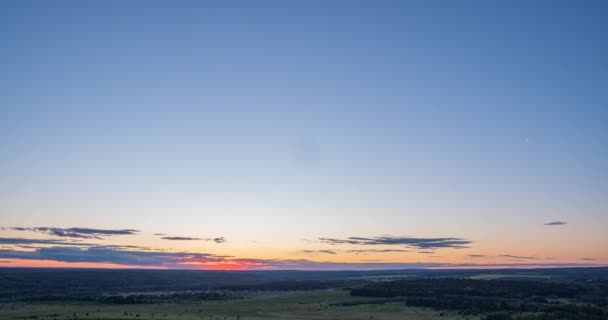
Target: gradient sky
<point>288,127</point>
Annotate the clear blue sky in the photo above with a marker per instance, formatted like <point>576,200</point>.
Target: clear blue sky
<point>277,121</point>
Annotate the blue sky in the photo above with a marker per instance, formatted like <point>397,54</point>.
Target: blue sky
<point>274,122</point>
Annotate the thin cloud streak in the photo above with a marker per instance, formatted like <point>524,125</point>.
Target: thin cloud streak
<point>365,251</point>
<point>517,257</point>
<point>216,240</point>
<point>417,243</point>
<point>318,251</point>
<point>556,223</point>
<point>80,233</point>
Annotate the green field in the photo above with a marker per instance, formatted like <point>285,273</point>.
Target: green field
<point>290,305</point>
<point>494,276</point>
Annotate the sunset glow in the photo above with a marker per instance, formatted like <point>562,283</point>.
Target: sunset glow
<point>283,136</point>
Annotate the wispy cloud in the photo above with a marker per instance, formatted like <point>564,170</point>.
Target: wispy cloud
<point>556,223</point>
<point>187,260</point>
<point>365,251</point>
<point>418,243</point>
<point>28,241</point>
<point>216,240</point>
<point>588,259</point>
<point>517,257</point>
<point>81,233</point>
<point>476,256</point>
<point>318,251</point>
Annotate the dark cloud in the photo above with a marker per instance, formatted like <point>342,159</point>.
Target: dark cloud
<point>160,234</point>
<point>364,251</point>
<point>319,251</point>
<point>517,257</point>
<point>111,255</point>
<point>418,243</point>
<point>186,260</point>
<point>27,241</point>
<point>476,256</point>
<point>216,240</point>
<point>556,223</point>
<point>80,233</point>
<point>426,252</point>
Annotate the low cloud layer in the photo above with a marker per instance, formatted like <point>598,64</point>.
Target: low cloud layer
<point>556,223</point>
<point>187,260</point>
<point>111,255</point>
<point>80,233</point>
<point>417,243</point>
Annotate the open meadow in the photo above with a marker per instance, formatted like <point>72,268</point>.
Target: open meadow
<point>254,306</point>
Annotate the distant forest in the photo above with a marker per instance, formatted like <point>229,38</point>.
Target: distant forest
<point>499,299</point>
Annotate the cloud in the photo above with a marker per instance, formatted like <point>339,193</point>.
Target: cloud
<point>364,251</point>
<point>319,251</point>
<point>418,243</point>
<point>216,240</point>
<point>588,259</point>
<point>187,260</point>
<point>426,252</point>
<point>517,257</point>
<point>28,241</point>
<point>160,234</point>
<point>556,223</point>
<point>111,255</point>
<point>81,233</point>
<point>476,256</point>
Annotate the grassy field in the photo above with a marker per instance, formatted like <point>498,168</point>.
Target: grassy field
<point>494,276</point>
<point>309,305</point>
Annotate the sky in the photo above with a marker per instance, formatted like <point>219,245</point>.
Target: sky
<point>303,134</point>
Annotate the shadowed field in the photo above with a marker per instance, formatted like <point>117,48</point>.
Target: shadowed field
<point>286,305</point>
